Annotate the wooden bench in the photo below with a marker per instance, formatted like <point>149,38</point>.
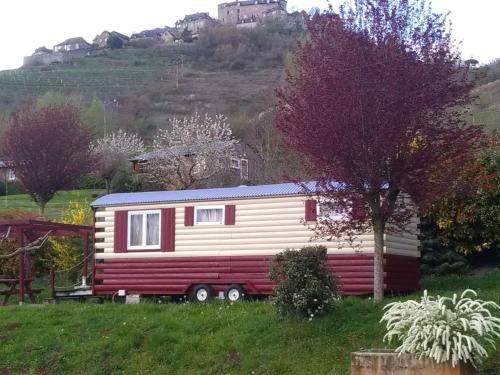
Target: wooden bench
<point>13,289</point>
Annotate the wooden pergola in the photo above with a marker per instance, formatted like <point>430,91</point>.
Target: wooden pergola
<point>27,231</point>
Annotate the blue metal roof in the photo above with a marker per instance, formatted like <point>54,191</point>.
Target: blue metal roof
<point>240,192</point>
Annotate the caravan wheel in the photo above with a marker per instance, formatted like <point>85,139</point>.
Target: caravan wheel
<point>234,293</point>
<point>201,293</point>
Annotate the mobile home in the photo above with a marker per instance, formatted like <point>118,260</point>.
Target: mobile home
<point>220,242</point>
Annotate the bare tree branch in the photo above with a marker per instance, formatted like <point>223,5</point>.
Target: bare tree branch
<point>31,247</point>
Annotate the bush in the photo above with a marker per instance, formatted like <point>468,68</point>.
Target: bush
<point>438,260</point>
<point>66,251</point>
<point>444,329</point>
<point>305,286</point>
<point>114,42</point>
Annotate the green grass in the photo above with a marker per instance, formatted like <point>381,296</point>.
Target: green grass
<point>217,338</point>
<point>54,208</point>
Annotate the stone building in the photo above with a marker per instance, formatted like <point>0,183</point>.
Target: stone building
<point>249,11</point>
<point>101,40</point>
<point>72,44</point>
<point>194,23</point>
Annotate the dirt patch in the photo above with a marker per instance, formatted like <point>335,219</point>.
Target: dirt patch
<point>9,328</point>
<point>5,371</point>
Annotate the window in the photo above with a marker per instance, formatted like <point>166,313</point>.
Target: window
<point>11,176</point>
<point>324,211</point>
<point>209,215</point>
<point>143,230</point>
<point>235,163</point>
<point>244,169</point>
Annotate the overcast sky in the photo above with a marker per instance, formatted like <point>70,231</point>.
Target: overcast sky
<point>29,24</point>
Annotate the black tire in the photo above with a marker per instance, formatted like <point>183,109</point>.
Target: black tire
<point>201,293</point>
<point>234,293</point>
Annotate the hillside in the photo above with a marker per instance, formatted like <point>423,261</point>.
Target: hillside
<point>227,71</point>
<point>486,108</point>
<point>214,338</point>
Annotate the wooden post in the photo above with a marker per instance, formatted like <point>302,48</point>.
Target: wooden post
<point>20,236</point>
<point>85,239</point>
<point>52,282</point>
<point>21,278</point>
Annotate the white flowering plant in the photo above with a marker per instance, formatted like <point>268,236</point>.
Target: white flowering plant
<point>304,284</point>
<point>442,328</point>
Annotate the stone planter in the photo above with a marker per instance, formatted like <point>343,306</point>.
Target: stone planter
<point>387,362</point>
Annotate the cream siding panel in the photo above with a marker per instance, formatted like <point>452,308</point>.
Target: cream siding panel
<point>263,226</point>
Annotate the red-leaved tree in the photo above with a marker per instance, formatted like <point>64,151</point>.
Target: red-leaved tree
<point>375,103</point>
<point>48,149</point>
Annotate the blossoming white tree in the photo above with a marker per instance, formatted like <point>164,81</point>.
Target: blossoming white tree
<point>194,149</point>
<point>113,151</point>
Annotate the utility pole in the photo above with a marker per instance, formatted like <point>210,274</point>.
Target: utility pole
<point>177,75</point>
<point>182,66</point>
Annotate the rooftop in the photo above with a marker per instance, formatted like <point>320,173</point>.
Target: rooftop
<point>73,41</point>
<point>240,192</point>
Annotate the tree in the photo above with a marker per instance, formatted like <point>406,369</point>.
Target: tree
<point>114,42</point>
<point>374,107</point>
<point>187,35</point>
<point>263,137</point>
<point>468,217</point>
<point>48,150</point>
<point>195,149</point>
<point>113,151</point>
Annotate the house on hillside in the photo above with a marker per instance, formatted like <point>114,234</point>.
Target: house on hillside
<point>250,11</point>
<point>6,172</point>
<point>242,168</point>
<point>169,35</point>
<point>194,23</point>
<point>149,34</point>
<point>42,51</point>
<point>101,40</point>
<point>72,44</point>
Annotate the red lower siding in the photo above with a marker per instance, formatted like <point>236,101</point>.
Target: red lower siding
<point>174,276</point>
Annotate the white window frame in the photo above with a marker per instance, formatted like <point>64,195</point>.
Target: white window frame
<point>11,176</point>
<point>197,208</point>
<point>237,162</point>
<point>243,175</point>
<point>144,230</point>
<point>323,217</point>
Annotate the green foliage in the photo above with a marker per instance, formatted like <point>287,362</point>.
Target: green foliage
<point>65,251</point>
<point>58,98</point>
<point>227,47</point>
<point>125,181</point>
<point>438,259</point>
<point>468,221</point>
<point>305,286</point>
<point>23,205</point>
<point>187,36</point>
<point>114,42</point>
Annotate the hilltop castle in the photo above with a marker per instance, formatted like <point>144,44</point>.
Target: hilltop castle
<point>250,11</point>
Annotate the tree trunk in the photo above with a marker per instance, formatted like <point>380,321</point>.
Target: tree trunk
<point>41,208</point>
<point>378,262</point>
<point>108,185</point>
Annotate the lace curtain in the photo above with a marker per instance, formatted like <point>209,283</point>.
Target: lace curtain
<point>209,215</point>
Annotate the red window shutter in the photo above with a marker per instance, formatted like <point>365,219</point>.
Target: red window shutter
<point>168,229</point>
<point>310,210</point>
<point>230,214</point>
<point>120,240</point>
<point>188,216</point>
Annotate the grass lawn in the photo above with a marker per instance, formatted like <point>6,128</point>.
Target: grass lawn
<point>54,208</point>
<point>215,338</point>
